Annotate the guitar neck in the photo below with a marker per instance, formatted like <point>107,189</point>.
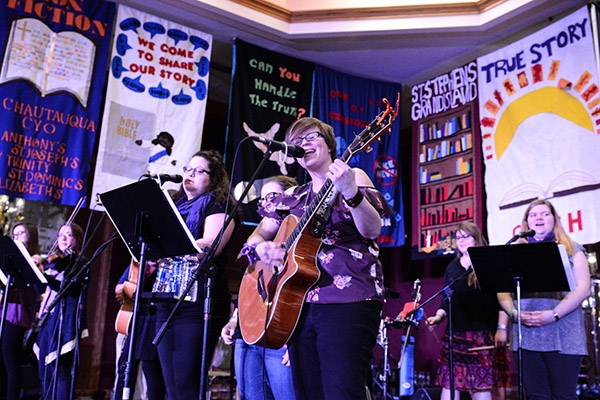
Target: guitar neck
<point>314,205</point>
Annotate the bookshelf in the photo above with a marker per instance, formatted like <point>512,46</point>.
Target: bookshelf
<point>446,177</point>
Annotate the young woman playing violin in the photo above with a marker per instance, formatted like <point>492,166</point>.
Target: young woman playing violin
<point>64,321</point>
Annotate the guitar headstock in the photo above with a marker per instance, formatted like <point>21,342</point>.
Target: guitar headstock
<point>380,125</point>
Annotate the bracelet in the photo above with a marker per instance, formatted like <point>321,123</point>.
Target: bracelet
<point>512,313</point>
<point>501,326</point>
<point>249,250</point>
<point>556,317</point>
<point>356,200</point>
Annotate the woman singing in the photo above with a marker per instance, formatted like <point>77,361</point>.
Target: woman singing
<point>201,203</point>
<point>553,335</point>
<point>332,345</point>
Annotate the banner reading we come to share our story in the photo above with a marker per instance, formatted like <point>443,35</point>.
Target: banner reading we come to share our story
<point>156,99</point>
<point>51,83</point>
<point>540,126</point>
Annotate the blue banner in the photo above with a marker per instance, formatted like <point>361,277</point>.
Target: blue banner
<point>348,104</point>
<point>51,92</point>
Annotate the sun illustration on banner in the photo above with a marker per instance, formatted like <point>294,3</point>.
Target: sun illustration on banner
<point>535,129</point>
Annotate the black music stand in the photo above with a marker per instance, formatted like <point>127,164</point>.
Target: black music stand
<point>537,267</point>
<point>17,270</point>
<point>150,225</point>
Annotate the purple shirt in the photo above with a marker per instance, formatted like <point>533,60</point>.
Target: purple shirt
<point>350,269</point>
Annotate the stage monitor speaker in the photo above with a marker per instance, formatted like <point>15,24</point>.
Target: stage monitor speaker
<point>427,394</point>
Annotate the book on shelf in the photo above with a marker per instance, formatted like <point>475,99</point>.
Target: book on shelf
<point>51,61</point>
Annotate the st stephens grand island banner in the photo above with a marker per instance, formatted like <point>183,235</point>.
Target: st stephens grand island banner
<point>54,57</point>
<point>540,125</point>
<point>156,99</point>
<point>446,160</point>
<point>348,104</point>
<point>269,92</point>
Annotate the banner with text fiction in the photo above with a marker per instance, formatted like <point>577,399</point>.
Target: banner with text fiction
<point>349,104</point>
<point>269,91</point>
<point>156,99</point>
<point>446,160</point>
<point>540,118</point>
<point>54,57</point>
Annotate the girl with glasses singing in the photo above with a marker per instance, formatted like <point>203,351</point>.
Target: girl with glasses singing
<point>332,344</point>
<point>478,323</point>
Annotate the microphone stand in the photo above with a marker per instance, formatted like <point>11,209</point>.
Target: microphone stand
<point>447,290</point>
<point>210,271</point>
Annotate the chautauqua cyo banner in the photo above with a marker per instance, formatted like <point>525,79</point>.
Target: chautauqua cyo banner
<point>54,57</point>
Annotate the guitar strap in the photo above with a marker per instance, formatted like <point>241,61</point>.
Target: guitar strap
<point>322,215</point>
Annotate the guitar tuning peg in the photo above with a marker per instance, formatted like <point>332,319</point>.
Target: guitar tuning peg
<point>369,149</point>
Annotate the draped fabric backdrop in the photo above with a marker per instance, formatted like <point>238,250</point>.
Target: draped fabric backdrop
<point>155,102</point>
<point>51,84</point>
<point>269,91</point>
<point>446,160</point>
<point>348,104</point>
<point>540,118</point>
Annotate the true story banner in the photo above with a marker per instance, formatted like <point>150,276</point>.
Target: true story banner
<point>268,93</point>
<point>349,104</point>
<point>540,126</point>
<point>156,99</point>
<point>54,57</point>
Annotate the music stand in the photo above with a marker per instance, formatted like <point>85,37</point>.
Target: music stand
<point>17,269</point>
<point>150,225</point>
<point>538,267</point>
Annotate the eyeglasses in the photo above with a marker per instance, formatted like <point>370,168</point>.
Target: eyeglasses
<point>308,137</point>
<point>460,237</point>
<point>195,171</point>
<point>18,234</point>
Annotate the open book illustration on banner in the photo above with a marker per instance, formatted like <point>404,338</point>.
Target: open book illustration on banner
<point>566,183</point>
<point>51,61</point>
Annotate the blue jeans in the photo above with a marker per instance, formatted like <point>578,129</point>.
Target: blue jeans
<point>260,373</point>
<point>331,350</point>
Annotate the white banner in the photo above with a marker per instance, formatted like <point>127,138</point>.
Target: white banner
<point>156,99</point>
<point>540,119</point>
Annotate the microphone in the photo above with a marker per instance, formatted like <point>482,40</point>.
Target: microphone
<point>292,151</point>
<point>175,178</point>
<point>416,284</point>
<point>529,233</point>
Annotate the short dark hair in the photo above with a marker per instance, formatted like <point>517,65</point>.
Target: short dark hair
<point>310,124</point>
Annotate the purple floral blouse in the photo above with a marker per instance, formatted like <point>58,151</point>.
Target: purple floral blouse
<point>349,264</point>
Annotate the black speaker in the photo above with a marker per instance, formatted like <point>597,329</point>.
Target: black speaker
<point>427,394</point>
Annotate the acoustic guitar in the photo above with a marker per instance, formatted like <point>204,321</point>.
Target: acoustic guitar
<point>125,313</point>
<point>270,303</point>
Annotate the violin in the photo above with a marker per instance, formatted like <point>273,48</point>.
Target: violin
<point>57,255</point>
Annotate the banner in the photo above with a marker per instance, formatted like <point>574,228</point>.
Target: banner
<point>348,104</point>
<point>155,102</point>
<point>269,92</point>
<point>446,160</point>
<point>540,119</point>
<point>51,84</point>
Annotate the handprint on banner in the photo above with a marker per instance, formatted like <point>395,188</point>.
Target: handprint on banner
<point>277,156</point>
